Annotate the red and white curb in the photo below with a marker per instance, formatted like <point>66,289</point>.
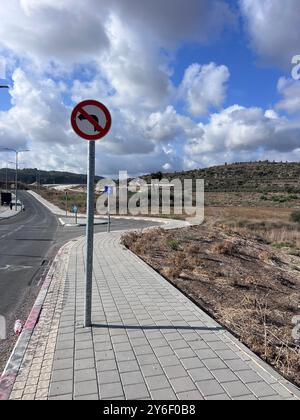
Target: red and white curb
<point>13,365</point>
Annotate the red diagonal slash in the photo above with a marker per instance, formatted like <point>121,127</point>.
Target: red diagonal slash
<point>91,119</point>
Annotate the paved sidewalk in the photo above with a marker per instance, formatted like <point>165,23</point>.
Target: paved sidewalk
<point>6,212</point>
<point>148,340</point>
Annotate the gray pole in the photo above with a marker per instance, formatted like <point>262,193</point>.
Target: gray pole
<point>16,193</point>
<point>89,234</point>
<point>6,177</point>
<point>108,210</point>
<point>66,203</point>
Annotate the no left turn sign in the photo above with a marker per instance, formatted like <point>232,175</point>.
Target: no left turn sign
<point>91,120</point>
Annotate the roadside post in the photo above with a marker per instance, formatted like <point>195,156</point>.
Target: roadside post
<point>90,120</point>
<point>75,211</point>
<point>66,195</point>
<point>109,191</point>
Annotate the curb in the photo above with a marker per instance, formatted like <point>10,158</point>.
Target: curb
<point>13,365</point>
<point>60,214</point>
<point>9,217</point>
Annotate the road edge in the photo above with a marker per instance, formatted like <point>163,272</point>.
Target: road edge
<point>14,362</point>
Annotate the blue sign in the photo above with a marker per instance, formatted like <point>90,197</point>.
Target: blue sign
<point>109,190</point>
<point>75,209</point>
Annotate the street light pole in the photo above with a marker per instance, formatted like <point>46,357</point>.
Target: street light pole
<point>17,164</point>
<point>16,186</point>
<point>6,177</point>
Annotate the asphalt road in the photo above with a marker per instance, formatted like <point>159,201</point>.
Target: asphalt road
<point>28,243</point>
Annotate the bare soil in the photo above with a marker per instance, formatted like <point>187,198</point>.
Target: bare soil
<point>240,280</point>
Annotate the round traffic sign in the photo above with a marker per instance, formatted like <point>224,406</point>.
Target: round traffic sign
<point>91,120</point>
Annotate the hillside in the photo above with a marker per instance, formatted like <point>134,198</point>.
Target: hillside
<point>29,176</point>
<point>259,177</point>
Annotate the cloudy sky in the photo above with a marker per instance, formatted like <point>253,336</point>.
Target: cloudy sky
<point>189,83</point>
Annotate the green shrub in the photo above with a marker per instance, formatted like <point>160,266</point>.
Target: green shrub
<point>173,244</point>
<point>264,197</point>
<point>295,216</point>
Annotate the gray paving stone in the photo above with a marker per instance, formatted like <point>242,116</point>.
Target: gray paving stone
<point>147,349</point>
<point>183,384</point>
<point>132,378</point>
<point>108,376</point>
<point>151,370</point>
<point>85,388</point>
<point>85,375</point>
<point>129,366</point>
<point>123,356</point>
<point>126,346</point>
<point>64,345</point>
<point>220,397</point>
<point>218,345</point>
<point>65,397</point>
<point>63,364</point>
<point>245,398</point>
<point>185,353</point>
<point>261,389</point>
<point>176,371</point>
<point>157,342</point>
<point>224,375</point>
<point>157,382</point>
<point>105,355</point>
<point>61,388</point>
<point>210,387</point>
<point>104,365</point>
<point>84,354</point>
<point>282,391</point>
<point>139,341</point>
<point>248,376</point>
<point>163,351</point>
<point>190,395</point>
<point>147,359</point>
<point>205,354</point>
<point>84,364</point>
<point>237,365</point>
<point>82,345</point>
<point>200,374</point>
<point>235,389</point>
<point>62,375</point>
<point>169,360</point>
<point>109,391</point>
<point>92,397</point>
<point>214,364</point>
<point>199,345</point>
<point>163,394</point>
<point>134,392</point>
<point>191,363</point>
<point>226,354</point>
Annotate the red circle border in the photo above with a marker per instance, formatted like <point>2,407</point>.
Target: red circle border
<point>80,133</point>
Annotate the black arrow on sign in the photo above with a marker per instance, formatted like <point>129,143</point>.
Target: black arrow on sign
<point>82,117</point>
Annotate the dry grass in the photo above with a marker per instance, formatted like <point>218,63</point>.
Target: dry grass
<point>246,284</point>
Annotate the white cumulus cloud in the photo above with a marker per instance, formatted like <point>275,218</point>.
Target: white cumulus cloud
<point>204,87</point>
<point>273,27</point>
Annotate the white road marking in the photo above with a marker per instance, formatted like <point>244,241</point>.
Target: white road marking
<point>15,267</point>
<point>12,232</point>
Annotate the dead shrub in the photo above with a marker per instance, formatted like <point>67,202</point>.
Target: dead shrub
<point>226,247</point>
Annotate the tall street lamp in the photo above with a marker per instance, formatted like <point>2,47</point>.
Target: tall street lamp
<point>16,151</point>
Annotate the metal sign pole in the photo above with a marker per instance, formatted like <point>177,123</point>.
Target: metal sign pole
<point>89,235</point>
<point>93,112</point>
